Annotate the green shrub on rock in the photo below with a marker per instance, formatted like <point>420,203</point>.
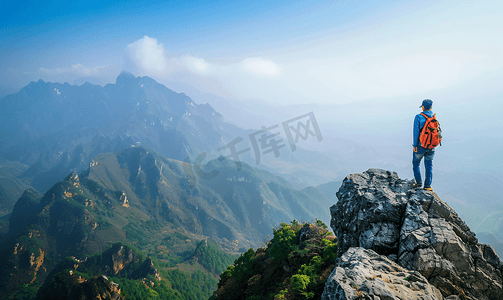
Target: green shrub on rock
<point>294,265</point>
<point>283,242</point>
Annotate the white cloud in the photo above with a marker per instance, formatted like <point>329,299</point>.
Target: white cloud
<point>240,79</point>
<point>149,55</point>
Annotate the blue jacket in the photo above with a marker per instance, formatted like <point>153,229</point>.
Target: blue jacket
<point>419,121</point>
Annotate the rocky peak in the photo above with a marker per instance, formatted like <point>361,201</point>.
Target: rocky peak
<point>70,285</point>
<point>121,260</point>
<point>414,228</point>
<point>23,210</point>
<point>73,178</point>
<point>124,78</point>
<point>146,268</point>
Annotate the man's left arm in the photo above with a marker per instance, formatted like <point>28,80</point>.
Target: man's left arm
<point>415,132</point>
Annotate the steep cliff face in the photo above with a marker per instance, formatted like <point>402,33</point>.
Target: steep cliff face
<point>415,229</point>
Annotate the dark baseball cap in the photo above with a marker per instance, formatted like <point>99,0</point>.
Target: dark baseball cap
<point>427,104</point>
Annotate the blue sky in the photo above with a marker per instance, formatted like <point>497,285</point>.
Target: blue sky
<point>280,51</point>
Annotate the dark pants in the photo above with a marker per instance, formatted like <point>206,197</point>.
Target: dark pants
<point>428,164</point>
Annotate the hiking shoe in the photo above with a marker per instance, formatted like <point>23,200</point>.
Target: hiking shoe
<point>428,188</point>
<point>416,185</point>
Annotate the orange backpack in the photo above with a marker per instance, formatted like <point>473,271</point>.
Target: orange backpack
<point>430,135</point>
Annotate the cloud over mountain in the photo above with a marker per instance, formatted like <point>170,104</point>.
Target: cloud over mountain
<point>148,55</point>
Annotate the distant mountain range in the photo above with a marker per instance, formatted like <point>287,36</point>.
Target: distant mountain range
<point>84,167</point>
<point>52,129</point>
<point>53,117</point>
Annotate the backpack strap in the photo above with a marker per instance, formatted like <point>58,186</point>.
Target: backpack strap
<point>428,117</point>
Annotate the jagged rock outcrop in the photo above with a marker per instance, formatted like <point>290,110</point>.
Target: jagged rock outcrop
<point>98,287</point>
<point>146,268</point>
<point>69,285</point>
<point>379,211</point>
<point>364,274</point>
<point>118,261</point>
<point>123,200</point>
<point>121,260</point>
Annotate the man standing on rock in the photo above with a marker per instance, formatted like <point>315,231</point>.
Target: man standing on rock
<point>420,151</point>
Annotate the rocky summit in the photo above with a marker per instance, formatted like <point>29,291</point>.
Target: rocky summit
<point>396,242</point>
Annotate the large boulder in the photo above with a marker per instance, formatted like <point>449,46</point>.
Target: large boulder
<point>379,211</point>
<point>364,274</point>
